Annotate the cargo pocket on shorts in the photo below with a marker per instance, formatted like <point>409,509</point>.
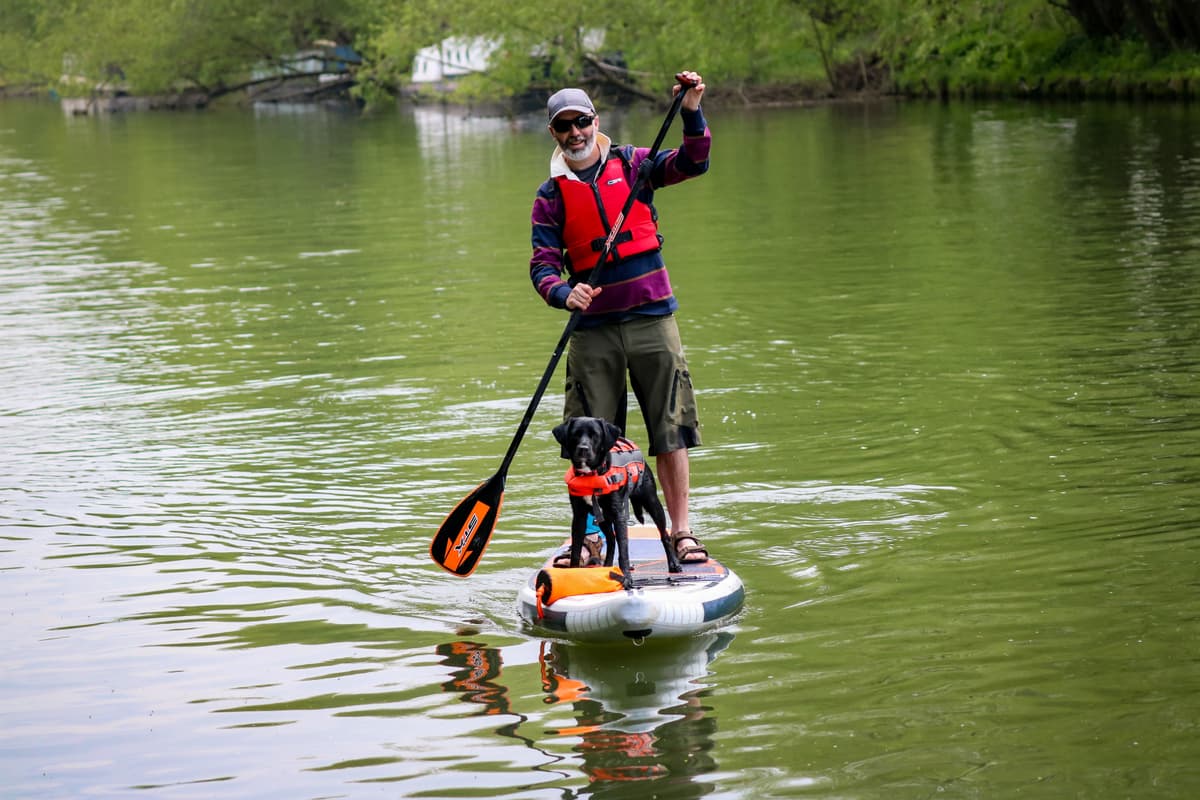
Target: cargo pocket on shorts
<point>681,410</point>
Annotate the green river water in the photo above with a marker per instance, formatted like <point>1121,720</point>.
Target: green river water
<point>948,364</point>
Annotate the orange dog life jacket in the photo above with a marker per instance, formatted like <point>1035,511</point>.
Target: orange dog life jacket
<point>626,469</point>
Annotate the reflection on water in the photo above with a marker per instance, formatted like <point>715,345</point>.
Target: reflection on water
<point>946,362</point>
<point>643,720</point>
<point>632,715</point>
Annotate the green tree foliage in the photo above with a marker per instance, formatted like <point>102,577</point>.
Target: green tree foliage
<point>942,40</point>
<point>163,45</point>
<point>18,31</point>
<point>833,46</point>
<point>1002,44</point>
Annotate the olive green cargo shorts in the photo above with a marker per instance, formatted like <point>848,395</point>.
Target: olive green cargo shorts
<point>649,350</point>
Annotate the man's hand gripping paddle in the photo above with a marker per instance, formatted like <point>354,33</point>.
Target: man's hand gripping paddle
<point>464,535</point>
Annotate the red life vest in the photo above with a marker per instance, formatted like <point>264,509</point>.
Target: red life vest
<point>626,468</point>
<point>590,209</point>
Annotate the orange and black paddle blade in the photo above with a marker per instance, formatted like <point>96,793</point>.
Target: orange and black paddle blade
<point>460,542</point>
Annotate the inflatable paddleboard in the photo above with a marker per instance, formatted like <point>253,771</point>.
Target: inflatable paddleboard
<point>588,606</point>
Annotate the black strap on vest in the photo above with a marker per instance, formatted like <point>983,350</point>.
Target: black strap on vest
<point>622,237</point>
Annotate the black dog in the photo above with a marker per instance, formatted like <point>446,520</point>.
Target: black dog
<point>608,475</point>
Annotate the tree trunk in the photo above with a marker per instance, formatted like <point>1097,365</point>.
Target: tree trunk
<point>1183,23</point>
<point>833,85</point>
<point>1152,33</point>
<point>1100,19</point>
<point>615,76</point>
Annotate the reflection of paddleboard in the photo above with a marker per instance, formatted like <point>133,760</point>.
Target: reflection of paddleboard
<point>638,693</point>
<point>662,605</point>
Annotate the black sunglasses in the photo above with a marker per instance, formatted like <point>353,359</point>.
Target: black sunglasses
<point>582,123</point>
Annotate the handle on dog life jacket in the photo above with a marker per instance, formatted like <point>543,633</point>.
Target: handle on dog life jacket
<point>573,322</point>
<point>597,508</point>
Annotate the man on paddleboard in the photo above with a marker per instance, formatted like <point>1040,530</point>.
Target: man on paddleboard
<point>627,322</point>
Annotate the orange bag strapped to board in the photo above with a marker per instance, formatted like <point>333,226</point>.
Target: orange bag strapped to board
<point>555,583</point>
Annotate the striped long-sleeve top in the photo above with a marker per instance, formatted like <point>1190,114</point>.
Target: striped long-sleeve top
<point>638,285</point>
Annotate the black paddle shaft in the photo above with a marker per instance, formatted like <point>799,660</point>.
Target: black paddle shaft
<point>464,535</point>
<point>643,176</point>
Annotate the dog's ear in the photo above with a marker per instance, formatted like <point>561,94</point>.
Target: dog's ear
<point>611,434</point>
<point>560,433</point>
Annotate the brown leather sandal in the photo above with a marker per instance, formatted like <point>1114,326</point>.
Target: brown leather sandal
<point>592,555</point>
<point>687,552</point>
<point>594,546</point>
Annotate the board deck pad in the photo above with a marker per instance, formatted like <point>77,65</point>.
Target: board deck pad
<point>661,604</point>
<point>649,562</point>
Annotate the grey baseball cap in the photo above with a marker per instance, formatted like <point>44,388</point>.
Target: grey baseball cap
<point>569,100</point>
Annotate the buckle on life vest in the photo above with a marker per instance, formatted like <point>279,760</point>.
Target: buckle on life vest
<point>622,238</point>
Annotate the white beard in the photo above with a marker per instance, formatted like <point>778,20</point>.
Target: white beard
<point>582,154</point>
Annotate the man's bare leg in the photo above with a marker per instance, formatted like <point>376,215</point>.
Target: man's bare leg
<point>674,475</point>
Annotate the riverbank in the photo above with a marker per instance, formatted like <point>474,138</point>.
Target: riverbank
<point>871,89</point>
<point>1114,88</point>
<point>1059,87</point>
